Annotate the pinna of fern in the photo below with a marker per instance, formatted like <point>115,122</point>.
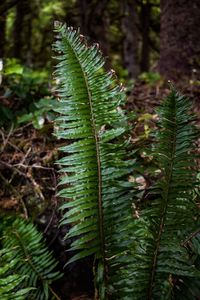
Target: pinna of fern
<point>94,167</point>
<point>160,261</point>
<point>26,264</point>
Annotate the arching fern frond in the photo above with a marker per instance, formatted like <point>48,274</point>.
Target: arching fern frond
<point>94,184</point>
<point>159,257</point>
<point>31,265</point>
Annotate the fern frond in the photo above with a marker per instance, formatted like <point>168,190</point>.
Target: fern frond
<point>159,256</point>
<point>27,256</point>
<point>10,284</point>
<point>95,166</point>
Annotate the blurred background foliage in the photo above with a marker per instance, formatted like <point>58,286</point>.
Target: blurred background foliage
<point>26,35</point>
<point>137,37</point>
<point>27,29</point>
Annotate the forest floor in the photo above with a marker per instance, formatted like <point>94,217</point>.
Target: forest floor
<point>29,180</point>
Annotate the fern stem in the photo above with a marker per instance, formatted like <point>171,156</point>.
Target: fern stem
<point>55,295</point>
<point>28,257</point>
<point>100,203</point>
<point>191,236</point>
<point>163,214</point>
<point>95,133</point>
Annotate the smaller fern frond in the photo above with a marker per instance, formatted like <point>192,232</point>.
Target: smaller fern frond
<point>10,284</point>
<point>159,259</point>
<point>35,264</point>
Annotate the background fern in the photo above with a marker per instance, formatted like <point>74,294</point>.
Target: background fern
<point>26,263</point>
<point>159,258</point>
<point>10,284</point>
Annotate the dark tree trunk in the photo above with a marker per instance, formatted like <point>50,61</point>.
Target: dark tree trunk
<point>18,30</point>
<point>130,30</point>
<point>180,39</point>
<point>2,35</point>
<point>145,18</point>
<point>6,5</point>
<point>95,22</point>
<point>22,31</point>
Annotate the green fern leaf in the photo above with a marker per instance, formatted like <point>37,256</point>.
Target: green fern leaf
<point>28,258</point>
<point>159,256</point>
<point>10,284</point>
<point>99,198</point>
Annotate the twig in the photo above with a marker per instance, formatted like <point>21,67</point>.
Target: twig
<point>55,295</point>
<point>190,237</point>
<point>32,166</point>
<point>13,168</point>
<point>36,186</point>
<point>25,156</point>
<point>5,141</point>
<point>29,176</point>
<point>49,223</point>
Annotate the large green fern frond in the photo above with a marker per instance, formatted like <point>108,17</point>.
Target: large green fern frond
<point>30,263</point>
<point>94,184</point>
<point>159,258</point>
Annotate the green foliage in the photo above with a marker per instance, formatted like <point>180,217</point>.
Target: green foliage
<point>23,82</point>
<point>96,163</point>
<point>159,257</point>
<point>41,110</point>
<point>26,263</point>
<point>151,78</point>
<point>12,66</point>
<point>138,258</point>
<point>27,94</point>
<point>10,284</point>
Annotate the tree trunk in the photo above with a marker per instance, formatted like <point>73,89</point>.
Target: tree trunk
<point>95,22</point>
<point>130,30</point>
<point>145,18</point>
<point>2,35</point>
<point>180,39</point>
<point>22,31</point>
<point>6,5</point>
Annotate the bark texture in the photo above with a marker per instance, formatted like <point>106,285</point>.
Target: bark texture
<point>145,20</point>
<point>95,21</point>
<point>130,30</point>
<point>180,39</point>
<point>2,35</point>
<point>22,31</point>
